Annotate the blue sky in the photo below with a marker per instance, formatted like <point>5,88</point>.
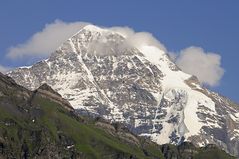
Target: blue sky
<point>212,25</point>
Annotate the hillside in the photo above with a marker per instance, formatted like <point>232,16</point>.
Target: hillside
<point>41,124</point>
<point>33,125</point>
<point>102,74</point>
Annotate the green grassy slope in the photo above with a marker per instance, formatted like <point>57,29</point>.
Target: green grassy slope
<point>189,151</point>
<point>33,125</point>
<point>43,128</point>
<point>87,138</point>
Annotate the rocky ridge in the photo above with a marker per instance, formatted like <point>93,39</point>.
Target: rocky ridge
<point>100,74</point>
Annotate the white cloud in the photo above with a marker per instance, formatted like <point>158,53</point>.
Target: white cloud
<point>138,39</point>
<point>193,60</point>
<point>43,43</point>
<point>132,39</point>
<point>4,69</point>
<point>124,31</point>
<point>205,65</point>
<point>46,41</point>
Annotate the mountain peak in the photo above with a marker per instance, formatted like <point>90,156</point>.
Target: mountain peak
<point>92,27</point>
<point>99,73</point>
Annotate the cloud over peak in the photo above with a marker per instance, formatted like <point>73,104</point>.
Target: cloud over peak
<point>46,41</point>
<point>205,65</point>
<point>193,60</point>
<point>4,69</point>
<point>138,39</point>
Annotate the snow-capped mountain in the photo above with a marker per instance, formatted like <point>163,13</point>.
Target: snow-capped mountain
<point>101,74</point>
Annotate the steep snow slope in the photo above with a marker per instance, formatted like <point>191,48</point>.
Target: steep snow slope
<point>102,75</point>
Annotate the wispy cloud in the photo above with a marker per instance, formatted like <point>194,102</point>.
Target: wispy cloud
<point>46,41</point>
<point>4,69</point>
<point>193,60</point>
<point>205,65</point>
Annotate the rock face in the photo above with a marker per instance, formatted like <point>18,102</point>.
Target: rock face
<point>99,73</point>
<point>47,92</point>
<point>189,151</point>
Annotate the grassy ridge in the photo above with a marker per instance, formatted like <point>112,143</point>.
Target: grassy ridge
<point>48,124</point>
<point>34,126</point>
